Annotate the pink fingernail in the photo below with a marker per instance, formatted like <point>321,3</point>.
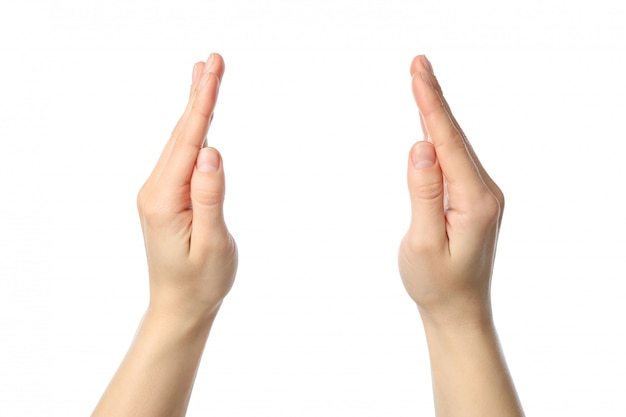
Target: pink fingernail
<point>208,160</point>
<point>209,63</point>
<point>194,74</point>
<point>429,66</point>
<point>426,78</point>
<point>423,155</point>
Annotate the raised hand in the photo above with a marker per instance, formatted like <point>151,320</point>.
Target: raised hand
<point>192,257</point>
<point>447,255</point>
<point>192,260</point>
<point>446,260</point>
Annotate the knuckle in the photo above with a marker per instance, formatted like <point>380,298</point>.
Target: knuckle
<point>208,197</point>
<point>501,199</point>
<point>497,193</point>
<point>141,198</point>
<point>454,139</point>
<point>153,212</point>
<point>207,200</point>
<point>489,210</point>
<point>429,190</point>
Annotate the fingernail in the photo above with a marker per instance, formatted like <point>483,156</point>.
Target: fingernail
<point>423,155</point>
<point>194,74</point>
<point>426,78</point>
<point>208,67</point>
<point>208,160</point>
<point>209,63</point>
<point>429,66</point>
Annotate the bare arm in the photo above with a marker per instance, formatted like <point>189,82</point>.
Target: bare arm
<point>157,375</point>
<point>192,260</point>
<point>470,377</point>
<point>446,261</point>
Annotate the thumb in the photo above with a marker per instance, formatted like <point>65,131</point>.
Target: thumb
<point>207,199</point>
<point>428,225</point>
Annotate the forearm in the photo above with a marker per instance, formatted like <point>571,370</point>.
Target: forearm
<point>469,373</point>
<point>157,375</point>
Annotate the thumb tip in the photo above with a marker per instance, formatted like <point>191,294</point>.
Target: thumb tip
<point>423,155</point>
<point>209,160</point>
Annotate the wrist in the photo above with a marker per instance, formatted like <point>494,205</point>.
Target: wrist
<point>185,323</point>
<point>186,306</point>
<point>469,316</point>
<point>459,337</point>
<point>465,328</point>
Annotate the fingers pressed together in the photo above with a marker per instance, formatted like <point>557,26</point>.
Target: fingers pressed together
<point>189,174</point>
<point>445,177</point>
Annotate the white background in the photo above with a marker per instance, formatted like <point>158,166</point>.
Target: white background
<point>315,120</point>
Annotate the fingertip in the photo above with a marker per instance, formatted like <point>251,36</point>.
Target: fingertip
<point>420,87</point>
<point>218,59</point>
<point>423,155</point>
<point>209,160</point>
<point>421,63</point>
<point>426,190</point>
<point>215,64</point>
<point>426,95</point>
<point>428,65</point>
<point>415,63</point>
<point>207,199</point>
<point>198,68</point>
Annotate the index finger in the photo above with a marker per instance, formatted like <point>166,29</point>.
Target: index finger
<point>198,71</point>
<point>421,63</point>
<point>190,134</point>
<point>462,174</point>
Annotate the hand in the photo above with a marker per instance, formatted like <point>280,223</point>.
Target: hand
<point>192,258</point>
<point>447,255</point>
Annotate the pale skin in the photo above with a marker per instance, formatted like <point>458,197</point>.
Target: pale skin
<point>445,260</point>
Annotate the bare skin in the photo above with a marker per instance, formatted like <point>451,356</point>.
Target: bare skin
<point>192,260</point>
<point>446,260</point>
